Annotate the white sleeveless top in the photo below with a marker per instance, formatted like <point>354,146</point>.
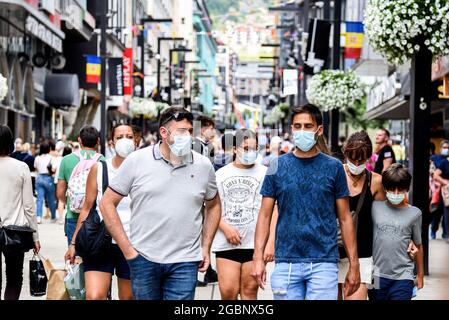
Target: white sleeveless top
<point>124,207</point>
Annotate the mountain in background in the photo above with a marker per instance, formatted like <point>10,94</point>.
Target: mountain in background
<point>235,10</point>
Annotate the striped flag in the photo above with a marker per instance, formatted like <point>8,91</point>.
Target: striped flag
<point>354,40</point>
<point>93,69</point>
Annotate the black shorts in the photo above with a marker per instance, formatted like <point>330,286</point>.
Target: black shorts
<point>237,255</point>
<point>113,263</point>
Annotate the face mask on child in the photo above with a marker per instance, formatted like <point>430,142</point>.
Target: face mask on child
<point>395,198</point>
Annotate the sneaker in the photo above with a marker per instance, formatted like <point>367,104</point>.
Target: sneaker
<point>201,283</point>
<point>39,220</point>
<point>54,220</point>
<point>211,276</point>
<point>61,221</point>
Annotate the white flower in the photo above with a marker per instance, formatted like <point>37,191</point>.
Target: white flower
<point>145,107</point>
<point>393,27</point>
<point>334,89</point>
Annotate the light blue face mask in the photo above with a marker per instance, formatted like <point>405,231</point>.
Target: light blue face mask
<point>445,152</point>
<point>305,140</point>
<point>248,158</point>
<point>395,198</point>
<point>182,145</point>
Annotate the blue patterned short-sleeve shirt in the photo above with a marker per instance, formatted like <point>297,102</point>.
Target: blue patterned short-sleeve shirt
<point>306,190</point>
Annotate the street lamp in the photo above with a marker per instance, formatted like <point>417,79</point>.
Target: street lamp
<point>159,40</point>
<point>150,19</point>
<point>170,66</point>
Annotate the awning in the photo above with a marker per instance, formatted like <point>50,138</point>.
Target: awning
<point>35,22</point>
<point>62,90</point>
<point>395,92</point>
<point>397,108</point>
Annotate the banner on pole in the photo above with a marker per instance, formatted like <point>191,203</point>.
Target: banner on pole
<point>115,73</point>
<point>93,69</point>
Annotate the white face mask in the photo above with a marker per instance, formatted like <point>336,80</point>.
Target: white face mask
<point>182,145</point>
<point>395,199</point>
<point>248,158</point>
<point>124,147</point>
<point>356,170</point>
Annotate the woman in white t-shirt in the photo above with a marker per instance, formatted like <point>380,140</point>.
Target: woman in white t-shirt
<point>239,185</point>
<point>99,270</point>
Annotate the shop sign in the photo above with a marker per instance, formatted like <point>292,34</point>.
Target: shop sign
<point>128,71</point>
<point>290,77</point>
<point>384,91</point>
<point>40,31</point>
<point>115,76</point>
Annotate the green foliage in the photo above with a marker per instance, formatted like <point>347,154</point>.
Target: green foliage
<point>355,117</point>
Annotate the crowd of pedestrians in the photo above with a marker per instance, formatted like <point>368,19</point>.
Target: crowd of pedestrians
<point>171,202</point>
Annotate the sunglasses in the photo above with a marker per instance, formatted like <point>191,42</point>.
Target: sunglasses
<point>179,116</point>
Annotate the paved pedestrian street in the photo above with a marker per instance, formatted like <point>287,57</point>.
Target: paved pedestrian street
<point>54,244</point>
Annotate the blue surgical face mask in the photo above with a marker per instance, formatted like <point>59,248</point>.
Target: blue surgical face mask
<point>248,158</point>
<point>445,152</point>
<point>181,146</point>
<point>305,140</point>
<point>395,198</point>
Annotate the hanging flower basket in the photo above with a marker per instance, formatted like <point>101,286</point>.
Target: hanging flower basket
<point>142,106</point>
<point>335,89</point>
<point>274,116</point>
<point>398,28</point>
<point>3,87</point>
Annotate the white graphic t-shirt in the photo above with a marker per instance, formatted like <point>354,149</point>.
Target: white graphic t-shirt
<point>240,203</point>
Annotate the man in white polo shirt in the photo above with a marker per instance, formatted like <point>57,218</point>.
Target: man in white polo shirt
<point>169,239</point>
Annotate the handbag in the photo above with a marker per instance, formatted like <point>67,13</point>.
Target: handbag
<point>16,238</point>
<point>93,238</point>
<point>355,214</point>
<point>38,277</point>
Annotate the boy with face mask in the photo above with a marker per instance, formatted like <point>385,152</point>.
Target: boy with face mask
<point>395,224</point>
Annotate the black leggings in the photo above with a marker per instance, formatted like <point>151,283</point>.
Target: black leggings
<point>14,270</point>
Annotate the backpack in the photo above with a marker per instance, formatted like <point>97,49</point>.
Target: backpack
<point>93,239</point>
<point>76,190</point>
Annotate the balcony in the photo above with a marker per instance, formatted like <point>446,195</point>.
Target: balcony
<point>77,20</point>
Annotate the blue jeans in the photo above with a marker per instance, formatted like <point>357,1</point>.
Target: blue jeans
<point>45,187</point>
<point>155,281</point>
<point>69,229</point>
<point>305,281</point>
<point>392,290</point>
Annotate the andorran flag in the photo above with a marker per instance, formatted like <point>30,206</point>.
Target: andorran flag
<point>93,69</point>
<point>354,40</point>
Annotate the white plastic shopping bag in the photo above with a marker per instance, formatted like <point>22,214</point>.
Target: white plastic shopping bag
<point>74,281</point>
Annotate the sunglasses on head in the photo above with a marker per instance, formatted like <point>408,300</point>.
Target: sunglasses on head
<point>179,116</point>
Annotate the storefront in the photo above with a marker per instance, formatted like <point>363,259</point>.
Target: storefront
<point>28,40</point>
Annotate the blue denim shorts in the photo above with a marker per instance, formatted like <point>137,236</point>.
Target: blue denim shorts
<point>305,281</point>
<point>113,263</point>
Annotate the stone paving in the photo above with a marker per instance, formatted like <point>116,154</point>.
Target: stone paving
<point>54,245</point>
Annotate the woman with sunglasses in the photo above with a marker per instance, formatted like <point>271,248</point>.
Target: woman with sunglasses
<point>364,187</point>
<point>239,186</point>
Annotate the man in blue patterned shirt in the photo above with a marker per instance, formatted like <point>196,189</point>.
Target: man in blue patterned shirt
<point>311,190</point>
